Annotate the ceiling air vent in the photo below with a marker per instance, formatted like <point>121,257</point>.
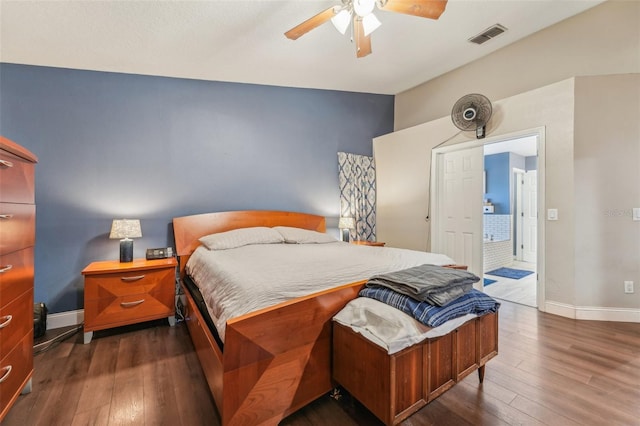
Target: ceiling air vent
<point>488,34</point>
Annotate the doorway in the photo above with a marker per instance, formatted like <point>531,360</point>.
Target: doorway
<point>510,225</point>
<point>507,210</point>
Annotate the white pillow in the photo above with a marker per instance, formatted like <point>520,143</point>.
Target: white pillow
<point>303,236</point>
<point>241,237</point>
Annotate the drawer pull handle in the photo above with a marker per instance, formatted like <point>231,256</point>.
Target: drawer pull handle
<point>5,268</point>
<point>136,278</point>
<point>6,216</point>
<point>6,163</point>
<point>7,320</point>
<point>130,304</point>
<point>5,376</point>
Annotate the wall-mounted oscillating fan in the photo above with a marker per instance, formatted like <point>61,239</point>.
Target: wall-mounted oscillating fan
<point>472,112</point>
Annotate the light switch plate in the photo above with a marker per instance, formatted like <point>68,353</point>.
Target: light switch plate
<point>552,214</point>
<point>636,213</point>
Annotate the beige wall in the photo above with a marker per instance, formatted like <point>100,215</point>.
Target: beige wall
<point>401,183</point>
<point>602,40</point>
<point>607,187</point>
<point>592,176</point>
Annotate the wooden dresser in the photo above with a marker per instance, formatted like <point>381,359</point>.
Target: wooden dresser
<point>17,241</point>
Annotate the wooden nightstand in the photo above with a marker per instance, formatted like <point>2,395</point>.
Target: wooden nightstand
<point>368,243</point>
<point>117,294</point>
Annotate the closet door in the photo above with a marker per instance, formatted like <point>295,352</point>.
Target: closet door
<point>458,215</point>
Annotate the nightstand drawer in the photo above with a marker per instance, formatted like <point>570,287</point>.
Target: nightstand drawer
<point>17,227</point>
<point>15,321</point>
<point>17,274</point>
<point>15,369</point>
<point>125,283</point>
<point>114,311</point>
<point>16,179</point>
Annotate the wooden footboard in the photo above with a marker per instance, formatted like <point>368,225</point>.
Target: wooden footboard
<point>279,359</point>
<point>406,381</point>
<point>275,360</point>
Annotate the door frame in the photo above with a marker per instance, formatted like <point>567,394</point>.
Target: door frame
<point>516,231</point>
<point>434,197</point>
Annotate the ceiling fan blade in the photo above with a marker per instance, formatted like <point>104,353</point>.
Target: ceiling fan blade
<point>363,43</point>
<point>311,23</point>
<point>431,9</point>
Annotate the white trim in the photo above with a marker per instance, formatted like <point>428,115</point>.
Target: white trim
<point>517,202</point>
<point>593,313</point>
<point>542,247</point>
<point>65,319</point>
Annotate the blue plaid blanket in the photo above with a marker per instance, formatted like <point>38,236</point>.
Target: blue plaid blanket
<point>473,302</point>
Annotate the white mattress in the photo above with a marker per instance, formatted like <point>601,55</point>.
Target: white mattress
<point>237,281</point>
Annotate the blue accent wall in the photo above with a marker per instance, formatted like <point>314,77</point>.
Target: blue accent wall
<point>497,173</point>
<point>129,146</point>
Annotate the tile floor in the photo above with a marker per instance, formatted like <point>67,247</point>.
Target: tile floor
<point>521,291</point>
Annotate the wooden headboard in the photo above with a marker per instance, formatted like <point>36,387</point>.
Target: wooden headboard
<point>188,229</point>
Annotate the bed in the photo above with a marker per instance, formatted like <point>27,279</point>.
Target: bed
<point>273,360</point>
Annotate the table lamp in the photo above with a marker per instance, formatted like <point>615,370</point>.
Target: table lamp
<point>125,229</point>
<point>346,224</point>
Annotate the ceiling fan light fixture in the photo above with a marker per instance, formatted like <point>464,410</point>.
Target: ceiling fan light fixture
<point>341,21</point>
<point>360,12</point>
<point>363,8</point>
<point>370,23</point>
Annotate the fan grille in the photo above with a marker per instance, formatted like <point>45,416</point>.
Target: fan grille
<point>471,112</point>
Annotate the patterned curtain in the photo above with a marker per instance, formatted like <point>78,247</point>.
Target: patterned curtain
<point>357,177</point>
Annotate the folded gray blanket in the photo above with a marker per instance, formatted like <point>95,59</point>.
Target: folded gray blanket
<point>433,284</point>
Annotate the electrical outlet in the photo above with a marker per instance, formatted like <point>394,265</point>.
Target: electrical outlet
<point>628,286</point>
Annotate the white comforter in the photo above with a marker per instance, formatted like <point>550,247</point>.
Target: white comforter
<point>237,281</point>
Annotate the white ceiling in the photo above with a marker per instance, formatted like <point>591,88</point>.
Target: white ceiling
<point>243,41</point>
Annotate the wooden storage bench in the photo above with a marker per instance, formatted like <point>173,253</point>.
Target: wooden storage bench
<point>395,386</point>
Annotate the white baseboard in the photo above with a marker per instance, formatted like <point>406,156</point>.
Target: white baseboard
<point>69,318</point>
<point>593,313</point>
<point>65,319</point>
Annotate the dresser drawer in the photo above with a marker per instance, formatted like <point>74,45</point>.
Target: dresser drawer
<point>16,179</point>
<point>16,320</point>
<point>15,369</point>
<point>17,227</point>
<point>113,311</point>
<point>16,274</point>
<point>126,283</point>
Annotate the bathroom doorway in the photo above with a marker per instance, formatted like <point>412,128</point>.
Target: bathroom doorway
<point>511,219</point>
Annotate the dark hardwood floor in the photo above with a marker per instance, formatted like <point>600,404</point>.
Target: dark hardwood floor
<point>550,370</point>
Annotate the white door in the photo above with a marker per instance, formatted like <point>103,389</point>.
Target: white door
<point>458,224</point>
<point>530,216</point>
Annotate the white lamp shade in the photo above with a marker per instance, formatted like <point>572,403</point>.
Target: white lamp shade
<point>346,223</point>
<point>341,21</point>
<point>370,23</point>
<point>125,228</point>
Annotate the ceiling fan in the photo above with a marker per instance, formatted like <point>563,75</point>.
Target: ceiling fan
<point>360,12</point>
